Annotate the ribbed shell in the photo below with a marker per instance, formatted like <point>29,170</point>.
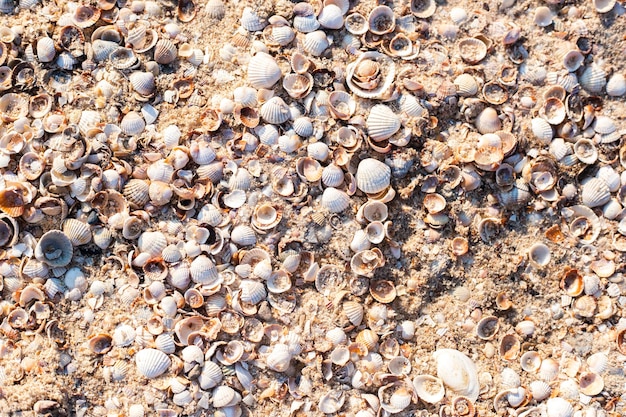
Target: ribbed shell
<point>540,390</point>
<point>78,232</point>
<point>604,125</point>
<point>275,111</point>
<point>152,243</point>
<point>354,311</point>
<point>210,376</point>
<point>466,85</point>
<point>136,192</point>
<point>263,71</point>
<point>215,9</point>
<point>243,235</point>
<point>142,82</point>
<point>251,21</point>
<point>372,176</point>
<point>303,126</point>
<point>213,171</point>
<point>45,49</point>
<point>382,123</point>
<point>332,176</point>
<point>488,121</point>
<point>132,124</point>
<point>241,180</point>
<point>102,49</point>
<point>331,17</point>
<point>203,271</point>
<point>151,362</point>
<point>335,200</point>
<point>541,129</point>
<point>165,51</point>
<point>595,193</point>
<point>315,43</point>
<point>252,292</point>
<point>593,79</point>
<point>305,24</point>
<point>279,35</point>
<point>616,86</point>
<point>160,171</point>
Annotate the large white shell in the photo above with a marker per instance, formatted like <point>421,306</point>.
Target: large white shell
<point>225,396</point>
<point>279,359</point>
<point>251,21</point>
<point>335,200</point>
<point>152,243</point>
<point>595,192</point>
<point>429,388</point>
<point>45,49</point>
<point>331,17</point>
<point>458,372</point>
<point>275,111</point>
<point>372,176</point>
<point>263,71</point>
<point>142,82</point>
<point>151,362</point>
<point>542,130</point>
<point>382,123</point>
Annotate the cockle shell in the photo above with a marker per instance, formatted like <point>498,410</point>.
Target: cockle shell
<point>305,23</point>
<point>279,359</point>
<point>210,376</point>
<point>616,86</point>
<point>315,43</point>
<point>488,121</point>
<point>373,176</point>
<point>472,50</point>
<point>45,49</point>
<point>263,71</point>
<point>429,388</point>
<point>335,200</point>
<point>381,20</point>
<point>595,192</point>
<point>54,248</point>
<point>559,407</point>
<point>251,21</point>
<point>243,235</point>
<point>466,85</point>
<point>77,231</point>
<point>423,8</point>
<point>382,123</point>
<point>331,17</point>
<point>142,82</point>
<point>384,78</point>
<point>165,52</point>
<point>458,372</point>
<point>275,111</point>
<point>593,79</point>
<point>151,362</point>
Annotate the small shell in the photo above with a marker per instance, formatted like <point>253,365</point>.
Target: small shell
<point>210,376</point>
<point>549,370</point>
<point>151,362</point>
<point>263,71</point>
<point>373,176</point>
<point>371,75</point>
<point>553,110</point>
<point>353,311</point>
<point>598,362</point>
<point>335,200</point>
<point>275,111</point>
<point>487,327</point>
<point>100,343</point>
<point>45,49</point>
<point>434,203</point>
<point>356,23</point>
<point>331,17</point>
<point>540,390</point>
<point>593,79</point>
<point>616,86</point>
<point>279,282</point>
<point>466,85</point>
<point>488,121</point>
<point>381,20</point>
<point>591,384</point>
<point>383,291</point>
<point>251,21</point>
<point>280,35</point>
<point>85,16</point>
<point>315,43</point>
<point>429,388</point>
<point>165,52</point>
<point>604,6</point>
<point>572,60</point>
<point>543,16</point>
<point>604,125</point>
<point>332,401</point>
<point>225,396</point>
<point>472,50</point>
<point>142,82</point>
<point>395,397</point>
<point>215,9</point>
<point>298,85</point>
<point>542,130</point>
<point>595,192</point>
<point>586,151</point>
<point>558,407</point>
<point>279,359</point>
<point>423,8</point>
<point>77,231</point>
<point>305,23</point>
<point>382,123</point>
<point>54,248</point>
<point>509,347</point>
<point>539,255</point>
<point>530,361</point>
<point>243,235</point>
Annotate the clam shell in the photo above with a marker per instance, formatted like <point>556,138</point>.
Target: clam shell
<point>136,192</point>
<point>165,52</point>
<point>604,125</point>
<point>243,236</point>
<point>77,231</point>
<point>543,16</point>
<point>203,271</point>
<point>279,359</point>
<point>429,388</point>
<point>45,49</point>
<point>151,362</point>
<point>373,176</point>
<point>472,50</point>
<point>54,248</point>
<point>263,71</point>
<point>331,17</point>
<point>353,311</point>
<point>210,376</point>
<point>275,111</point>
<point>604,6</point>
<point>102,49</point>
<point>252,292</point>
<point>165,343</point>
<point>458,372</point>
<point>303,126</point>
<point>335,200</point>
<point>558,407</point>
<point>540,390</point>
<point>251,21</point>
<point>488,121</point>
<point>381,20</point>
<point>382,123</point>
<point>386,76</point>
<point>586,152</point>
<point>152,243</point>
<point>298,85</point>
<point>572,60</point>
<point>595,192</point>
<point>142,82</point>
<point>332,176</point>
<point>542,130</point>
<point>616,86</point>
<point>466,85</point>
<point>593,79</point>
<point>331,402</point>
<point>305,24</point>
<point>423,8</point>
<point>356,23</point>
<point>315,43</point>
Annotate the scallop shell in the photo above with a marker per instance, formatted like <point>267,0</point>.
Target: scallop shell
<point>152,243</point>
<point>252,292</point>
<point>45,49</point>
<point>595,192</point>
<point>466,85</point>
<point>382,123</point>
<point>203,271</point>
<point>263,71</point>
<point>215,9</point>
<point>280,35</point>
<point>593,79</point>
<point>616,86</point>
<point>251,21</point>
<point>598,362</point>
<point>165,52</point>
<point>305,24</point>
<point>558,407</point>
<point>77,231</point>
<point>335,200</point>
<point>331,17</point>
<point>332,176</point>
<point>458,372</point>
<point>303,126</point>
<point>142,82</point>
<point>542,130</point>
<point>353,311</point>
<point>373,176</point>
<point>275,111</point>
<point>315,43</point>
<point>279,359</point>
<point>604,125</point>
<point>243,235</point>
<point>540,390</point>
<point>151,362</point>
<point>54,248</point>
<point>210,376</point>
<point>132,124</point>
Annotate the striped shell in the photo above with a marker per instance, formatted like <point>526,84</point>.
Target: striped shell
<point>136,192</point>
<point>210,376</point>
<point>251,21</point>
<point>152,243</point>
<point>353,311</point>
<point>542,130</point>
<point>595,192</point>
<point>215,9</point>
<point>77,231</point>
<point>303,126</point>
<point>275,111</point>
<point>142,82</point>
<point>466,85</point>
<point>372,176</point>
<point>203,271</point>
<point>305,24</point>
<point>165,52</point>
<point>616,86</point>
<point>315,43</point>
<point>335,200</point>
<point>252,292</point>
<point>488,121</point>
<point>151,362</point>
<point>102,49</point>
<point>132,124</point>
<point>263,71</point>
<point>382,123</point>
<point>45,49</point>
<point>593,79</point>
<point>280,35</point>
<point>331,17</point>
<point>243,235</point>
<point>332,176</point>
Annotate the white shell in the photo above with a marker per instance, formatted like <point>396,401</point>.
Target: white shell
<point>593,79</point>
<point>598,362</point>
<point>151,362</point>
<point>225,396</point>
<point>318,151</point>
<point>372,176</point>
<point>558,407</point>
<point>595,192</point>
<point>332,176</point>
<point>539,255</point>
<point>303,126</point>
<point>331,402</point>
<point>488,121</point>
<point>542,130</point>
<point>540,390</point>
<point>279,359</point>
<point>429,388</point>
<point>354,311</point>
<point>275,111</point>
<point>210,376</point>
<point>123,335</point>
<point>171,135</point>
<point>586,151</point>
<point>305,24</point>
<point>132,124</point>
<point>243,235</point>
<point>252,292</point>
<point>331,17</point>
<point>335,200</point>
<point>45,49</point>
<point>604,125</point>
<point>458,372</point>
<point>387,73</point>
<point>251,21</point>
<point>315,43</point>
<point>165,343</point>
<point>203,271</point>
<point>142,82</point>
<point>152,243</point>
<point>615,87</point>
<point>263,71</point>
<point>543,16</point>
<point>382,123</point>
<point>466,85</point>
<point>356,24</point>
<point>530,361</point>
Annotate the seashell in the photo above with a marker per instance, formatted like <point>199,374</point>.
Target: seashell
<point>210,376</point>
<point>604,6</point>
<point>142,82</point>
<point>487,327</point>
<point>298,85</point>
<point>266,216</point>
<point>371,75</point>
<point>203,271</point>
<point>331,402</point>
<point>278,282</point>
<point>585,150</point>
<point>395,397</point>
<point>353,311</point>
<point>85,16</point>
<point>616,86</point>
<point>458,372</point>
<point>598,362</point>
<point>315,43</point>
<point>539,255</point>
<point>472,50</point>
<point>275,111</point>
<point>542,130</point>
<point>332,176</point>
<point>423,8</point>
<point>593,79</point>
<point>591,383</point>
<point>558,407</point>
<point>494,93</point>
<point>543,16</point>
<point>487,121</point>
<point>243,236</point>
<point>263,71</point>
<point>215,9</point>
<point>123,335</point>
<point>549,370</point>
<point>54,248</point>
<point>165,51</point>
<point>305,23</point>
<point>151,362</point>
<point>553,110</point>
<point>434,203</point>
<point>279,35</point>
<point>356,24</point>
<point>279,359</point>
<point>429,388</point>
<point>102,49</point>
<point>77,231</point>
<point>100,343</point>
<point>335,200</point>
<point>382,123</point>
<point>373,176</point>
<point>595,192</point>
<point>383,291</point>
<point>45,49</point>
<point>152,243</point>
<point>540,390</point>
<point>13,106</point>
<point>509,347</point>
<point>251,21</point>
<point>604,125</point>
<point>331,17</point>
<point>186,10</point>
<point>381,20</point>
<point>252,292</point>
<point>466,85</point>
<point>572,60</point>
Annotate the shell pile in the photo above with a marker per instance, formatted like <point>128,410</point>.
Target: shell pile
<point>306,208</point>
